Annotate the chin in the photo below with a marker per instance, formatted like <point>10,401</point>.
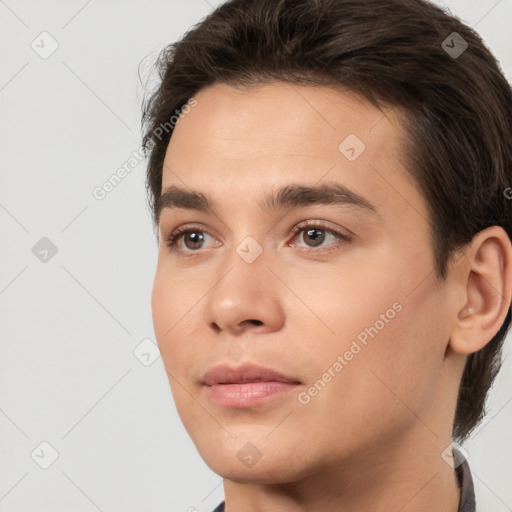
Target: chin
<point>263,474</point>
<point>271,468</point>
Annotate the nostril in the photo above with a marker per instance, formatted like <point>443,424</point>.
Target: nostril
<point>217,328</point>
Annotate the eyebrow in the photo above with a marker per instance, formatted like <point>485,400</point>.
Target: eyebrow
<point>289,196</point>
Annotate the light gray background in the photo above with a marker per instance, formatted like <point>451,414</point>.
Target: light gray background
<point>69,326</point>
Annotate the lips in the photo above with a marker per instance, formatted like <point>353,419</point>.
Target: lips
<point>247,385</point>
<point>225,374</point>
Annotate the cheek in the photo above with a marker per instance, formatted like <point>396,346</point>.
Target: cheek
<point>172,307</point>
<point>158,305</point>
<point>399,368</point>
<point>372,399</point>
<point>169,310</point>
<point>163,309</point>
<point>392,343</point>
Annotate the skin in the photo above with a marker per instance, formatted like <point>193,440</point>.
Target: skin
<point>372,438</point>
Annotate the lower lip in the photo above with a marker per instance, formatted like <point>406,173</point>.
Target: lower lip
<point>247,394</point>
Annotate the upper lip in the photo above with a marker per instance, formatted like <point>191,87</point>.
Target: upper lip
<point>225,374</point>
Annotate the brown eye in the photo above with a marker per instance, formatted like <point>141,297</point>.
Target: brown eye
<point>315,235</point>
<point>193,239</point>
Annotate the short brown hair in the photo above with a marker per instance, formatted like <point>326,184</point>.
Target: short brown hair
<point>396,53</point>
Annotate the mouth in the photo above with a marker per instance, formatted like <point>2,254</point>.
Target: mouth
<point>247,385</point>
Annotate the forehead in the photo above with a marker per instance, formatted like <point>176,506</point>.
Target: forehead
<point>290,119</point>
<point>238,140</point>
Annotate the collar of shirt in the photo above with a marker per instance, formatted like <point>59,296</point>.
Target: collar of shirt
<point>464,479</point>
<point>467,490</point>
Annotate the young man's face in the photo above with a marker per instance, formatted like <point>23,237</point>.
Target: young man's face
<point>356,320</point>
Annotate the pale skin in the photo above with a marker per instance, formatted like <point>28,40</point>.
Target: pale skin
<point>372,439</point>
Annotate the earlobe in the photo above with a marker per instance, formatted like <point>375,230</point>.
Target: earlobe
<point>487,267</point>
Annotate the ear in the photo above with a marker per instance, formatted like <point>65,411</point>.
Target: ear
<point>486,278</point>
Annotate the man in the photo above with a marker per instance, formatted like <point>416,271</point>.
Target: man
<point>334,275</point>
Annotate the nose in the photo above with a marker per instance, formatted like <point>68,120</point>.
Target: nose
<point>245,298</point>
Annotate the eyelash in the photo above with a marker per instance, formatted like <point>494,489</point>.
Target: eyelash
<point>173,238</point>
